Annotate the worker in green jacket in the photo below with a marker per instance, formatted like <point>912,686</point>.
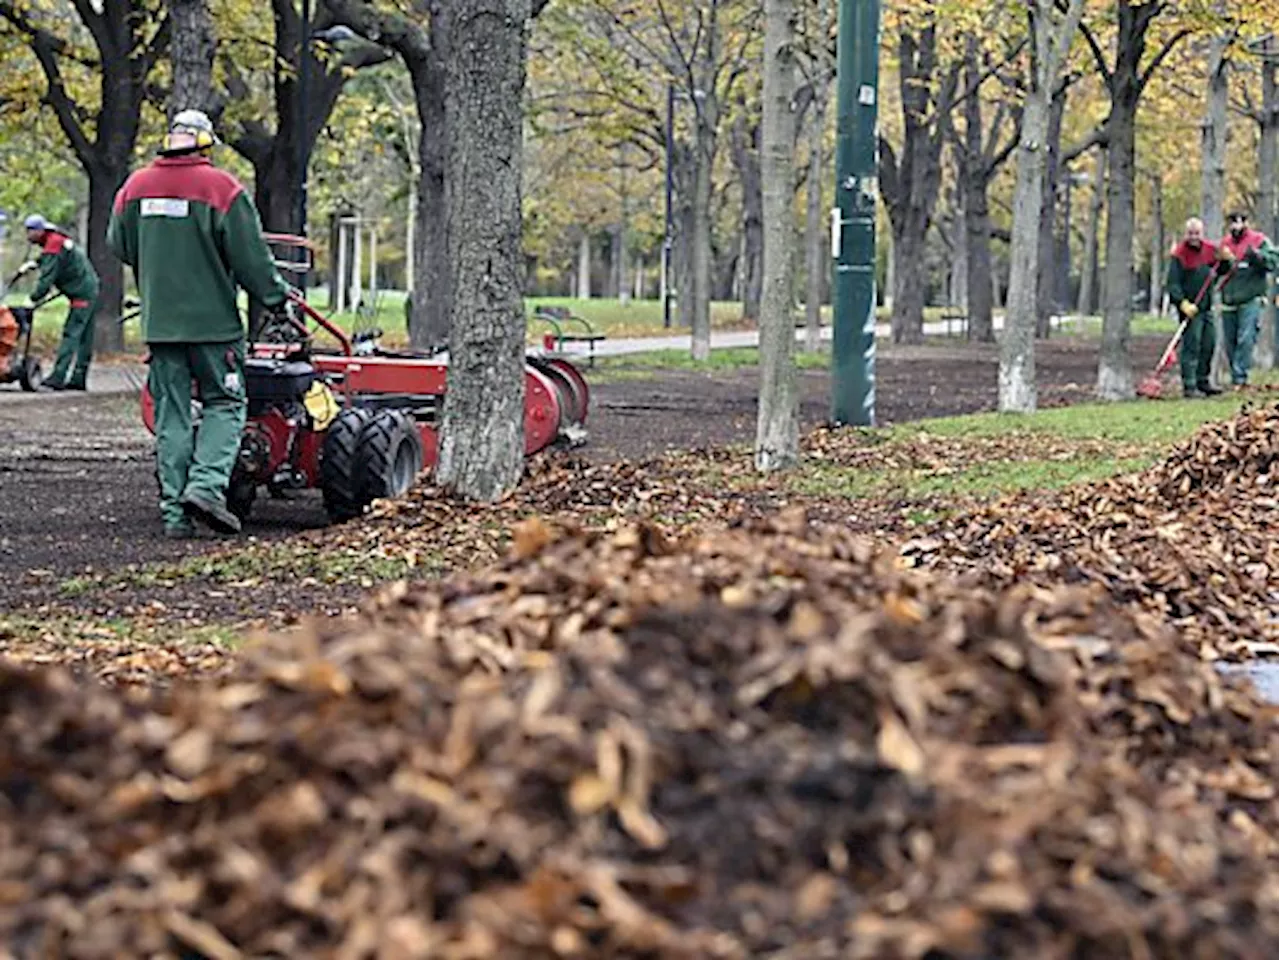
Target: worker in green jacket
<point>1252,256</point>
<point>191,234</point>
<point>65,268</point>
<point>1191,263</point>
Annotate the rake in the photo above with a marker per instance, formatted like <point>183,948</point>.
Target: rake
<point>1152,386</point>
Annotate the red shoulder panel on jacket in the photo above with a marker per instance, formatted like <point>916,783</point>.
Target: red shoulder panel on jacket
<point>53,242</point>
<point>181,178</point>
<point>1190,259</point>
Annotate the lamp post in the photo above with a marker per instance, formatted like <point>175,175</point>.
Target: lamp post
<point>853,220</point>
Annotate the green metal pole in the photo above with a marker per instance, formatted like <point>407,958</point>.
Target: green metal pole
<point>853,226</point>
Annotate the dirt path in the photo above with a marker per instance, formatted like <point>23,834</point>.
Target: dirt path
<point>77,494</point>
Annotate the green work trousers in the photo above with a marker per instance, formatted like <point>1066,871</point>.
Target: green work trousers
<point>71,368</point>
<point>1239,334</point>
<point>1196,351</point>
<point>200,461</point>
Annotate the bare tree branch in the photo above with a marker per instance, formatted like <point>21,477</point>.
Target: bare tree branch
<point>1099,58</point>
<point>1159,58</point>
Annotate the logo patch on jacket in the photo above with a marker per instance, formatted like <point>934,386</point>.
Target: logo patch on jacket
<point>164,207</point>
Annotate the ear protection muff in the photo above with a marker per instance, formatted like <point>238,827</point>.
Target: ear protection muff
<point>187,141</point>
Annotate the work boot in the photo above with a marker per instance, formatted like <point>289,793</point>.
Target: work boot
<point>1209,390</point>
<point>48,387</point>
<point>180,531</point>
<point>1191,393</point>
<point>210,512</point>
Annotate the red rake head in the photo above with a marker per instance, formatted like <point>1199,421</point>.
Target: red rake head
<point>1150,388</point>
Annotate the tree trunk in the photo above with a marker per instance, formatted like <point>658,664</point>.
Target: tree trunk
<point>1125,84</point>
<point>104,181</point>
<point>1046,305</point>
<point>1213,177</point>
<point>1050,42</point>
<point>411,241</point>
<point>617,266</point>
<point>423,48</point>
<point>907,321</point>
<point>777,423</point>
<point>815,249</point>
<point>1156,280</point>
<point>977,165</point>
<point>482,430</point>
<point>725,262</point>
<point>584,266</point>
<point>275,186</point>
<point>1268,352</point>
<point>700,294</point>
<point>909,184</point>
<point>977,225</point>
<point>745,142</point>
<point>1089,269</point>
<point>191,53</point>
<point>685,229</point>
<point>1017,378</point>
<point>959,297</point>
<point>890,272</point>
<point>430,309</point>
<point>620,266</point>
<point>1213,142</point>
<point>909,243</point>
<point>1115,372</point>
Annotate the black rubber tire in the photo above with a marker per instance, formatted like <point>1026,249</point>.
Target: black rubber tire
<point>30,375</point>
<point>341,479</point>
<point>390,455</point>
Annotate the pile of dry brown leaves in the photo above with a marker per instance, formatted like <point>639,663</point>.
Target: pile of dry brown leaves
<point>1194,540</point>
<point>767,741</point>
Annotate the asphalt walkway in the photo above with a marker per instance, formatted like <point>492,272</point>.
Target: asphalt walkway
<point>125,377</point>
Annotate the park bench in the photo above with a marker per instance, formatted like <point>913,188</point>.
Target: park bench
<point>558,318</point>
<point>955,322</point>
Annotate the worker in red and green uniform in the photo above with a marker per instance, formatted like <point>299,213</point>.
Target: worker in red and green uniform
<point>191,234</point>
<point>65,268</point>
<point>1191,263</point>
<point>1252,257</point>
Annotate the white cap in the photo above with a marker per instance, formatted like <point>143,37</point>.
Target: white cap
<point>192,121</point>
<point>37,222</point>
